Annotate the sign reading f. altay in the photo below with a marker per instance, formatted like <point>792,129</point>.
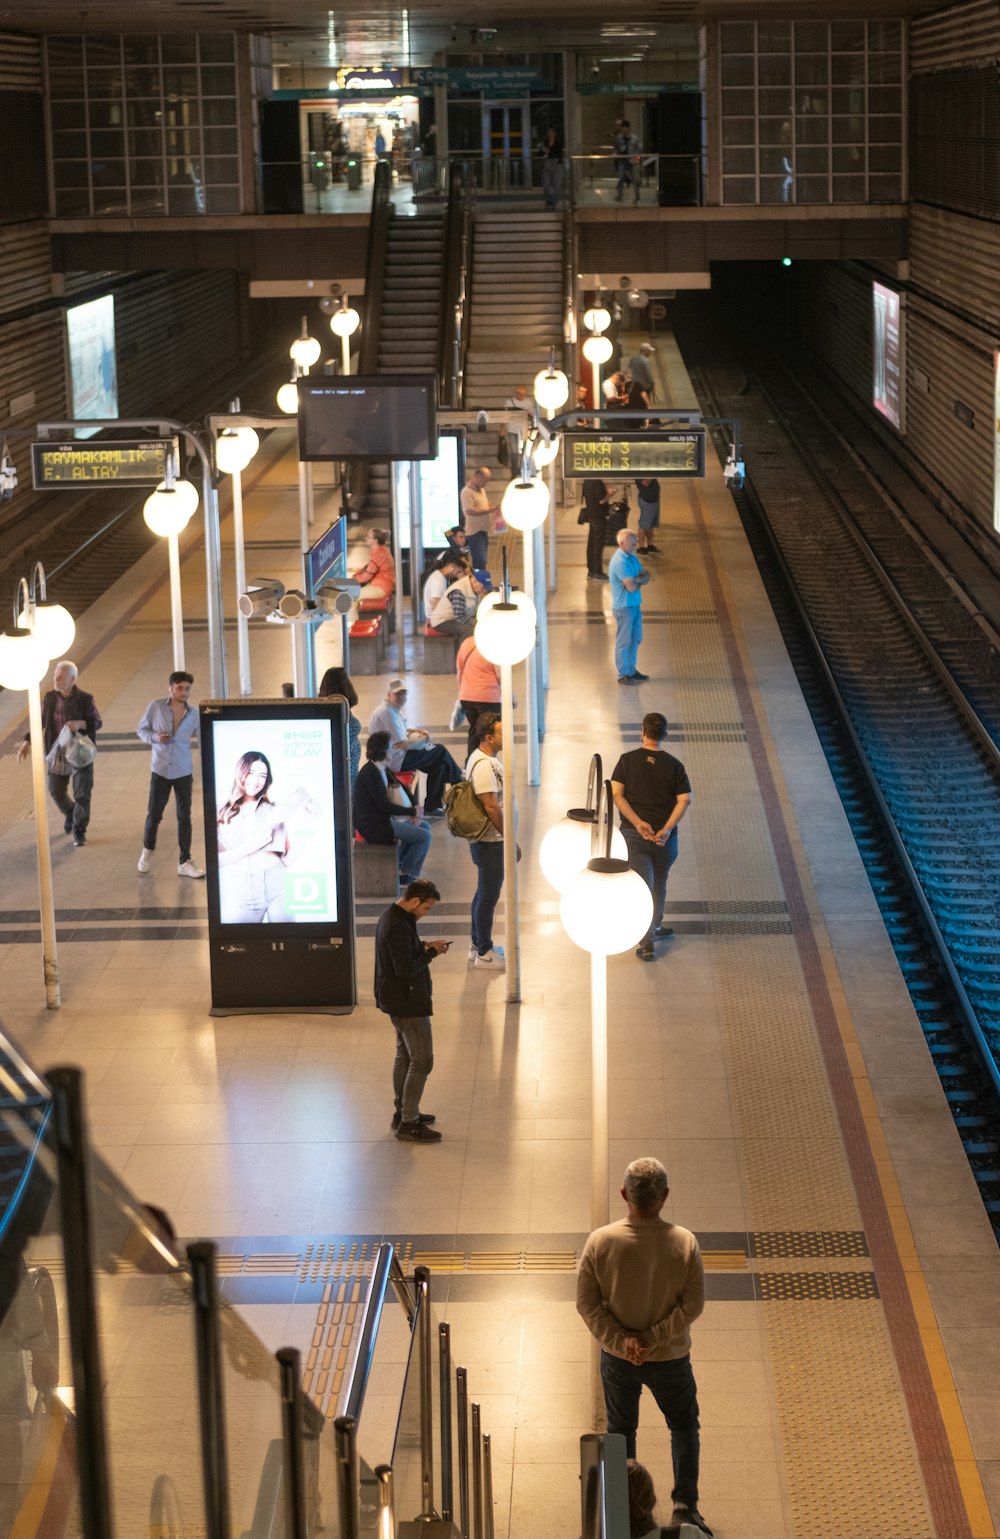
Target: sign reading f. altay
<point>106,462</point>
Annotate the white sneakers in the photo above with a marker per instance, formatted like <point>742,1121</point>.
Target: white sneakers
<point>494,958</point>
<point>186,867</point>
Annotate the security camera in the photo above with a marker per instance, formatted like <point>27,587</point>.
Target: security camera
<point>292,604</point>
<point>336,597</point>
<point>482,419</point>
<point>261,597</point>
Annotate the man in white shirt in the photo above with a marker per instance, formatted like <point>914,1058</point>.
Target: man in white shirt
<point>410,748</point>
<point>455,613</point>
<point>440,578</point>
<point>484,772</point>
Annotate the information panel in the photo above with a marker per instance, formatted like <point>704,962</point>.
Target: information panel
<point>889,355</point>
<point>102,462</point>
<point>439,483</point>
<point>672,452</point>
<point>90,335</point>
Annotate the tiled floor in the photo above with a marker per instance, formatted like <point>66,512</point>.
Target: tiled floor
<point>847,1385</point>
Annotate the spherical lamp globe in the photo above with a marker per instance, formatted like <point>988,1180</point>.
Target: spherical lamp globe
<point>545,451</point>
<point>551,389</point>
<point>565,850</point>
<point>597,349</point>
<point>607,910</point>
<point>304,351</point>
<point>288,398</point>
<point>23,658</point>
<point>234,449</point>
<point>505,633</point>
<point>168,510</point>
<point>344,323</point>
<point>597,318</point>
<point>525,504</point>
<point>54,627</point>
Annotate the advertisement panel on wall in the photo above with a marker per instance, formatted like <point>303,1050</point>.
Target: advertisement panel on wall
<point>90,332</point>
<point>889,355</point>
<point>276,787</point>
<point>439,485</point>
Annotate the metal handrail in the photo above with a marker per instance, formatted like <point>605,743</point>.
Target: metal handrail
<point>453,290</point>
<point>383,1271</point>
<point>208,1346</point>
<point>603,1486</point>
<point>375,265</point>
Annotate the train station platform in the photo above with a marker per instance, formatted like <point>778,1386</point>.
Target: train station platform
<point>770,1057</point>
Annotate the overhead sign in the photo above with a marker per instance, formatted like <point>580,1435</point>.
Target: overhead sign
<point>328,557</point>
<point>106,462</point>
<point>366,79</point>
<point>635,88</point>
<point>672,452</point>
<point>516,77</point>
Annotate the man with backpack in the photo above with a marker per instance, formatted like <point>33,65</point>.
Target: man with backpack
<point>481,822</point>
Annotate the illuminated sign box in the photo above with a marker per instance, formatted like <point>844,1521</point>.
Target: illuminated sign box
<point>674,452</point>
<point>101,463</point>
<point>889,355</point>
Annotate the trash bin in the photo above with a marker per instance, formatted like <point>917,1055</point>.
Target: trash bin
<point>353,174</point>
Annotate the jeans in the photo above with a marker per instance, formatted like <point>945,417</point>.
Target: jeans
<point>595,545</point>
<point>487,857</point>
<point>413,1063</point>
<point>459,628</point>
<point>414,843</point>
<point>439,767</point>
<point>627,639</point>
<point>628,175</point>
<point>159,795</point>
<point>479,548</point>
<point>76,811</point>
<point>673,1388</point>
<point>552,181</point>
<point>652,862</point>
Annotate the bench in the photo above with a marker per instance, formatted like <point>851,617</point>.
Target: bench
<point>440,651</point>
<point>366,644</point>
<point>376,869</point>
<point>385,605</point>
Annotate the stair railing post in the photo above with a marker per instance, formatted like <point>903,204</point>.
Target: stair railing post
<point>211,1407</point>
<point>293,1456</point>
<point>462,1408</point>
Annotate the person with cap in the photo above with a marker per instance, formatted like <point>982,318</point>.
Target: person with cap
<point>641,369</point>
<point>410,748</point>
<point>455,613</point>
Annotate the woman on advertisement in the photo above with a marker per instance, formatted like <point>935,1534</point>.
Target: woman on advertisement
<point>255,849</point>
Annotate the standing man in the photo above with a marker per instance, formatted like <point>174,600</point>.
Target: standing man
<point>628,577</point>
<point>410,748</point>
<point>66,705</point>
<point>403,991</point>
<point>484,772</point>
<point>168,726</point>
<point>652,793</point>
<point>627,148</point>
<point>596,506</point>
<point>649,513</point>
<point>640,1287</point>
<point>477,515</point>
<point>552,168</point>
<point>641,369</point>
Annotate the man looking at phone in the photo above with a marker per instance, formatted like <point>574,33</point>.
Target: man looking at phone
<point>403,991</point>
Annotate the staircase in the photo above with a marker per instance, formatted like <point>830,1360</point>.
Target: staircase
<point>517,303</point>
<point>411,297</point>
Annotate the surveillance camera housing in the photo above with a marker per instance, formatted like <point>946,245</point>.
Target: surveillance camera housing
<point>337,597</point>
<point>292,604</point>
<point>482,419</point>
<point>262,596</point>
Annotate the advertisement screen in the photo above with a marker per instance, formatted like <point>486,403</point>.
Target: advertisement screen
<point>888,357</point>
<point>93,371</point>
<point>386,417</point>
<point>274,821</point>
<point>440,483</point>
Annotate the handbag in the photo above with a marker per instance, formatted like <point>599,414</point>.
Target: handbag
<point>503,450</point>
<point>80,751</point>
<point>583,517</point>
<point>398,795</point>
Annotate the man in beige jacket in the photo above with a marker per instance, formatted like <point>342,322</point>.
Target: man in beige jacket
<point>640,1286</point>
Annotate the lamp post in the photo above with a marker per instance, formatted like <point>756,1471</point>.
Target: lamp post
<point>605,909</point>
<point>505,634</point>
<point>568,844</point>
<point>234,449</point>
<point>551,389</point>
<point>167,511</point>
<point>344,323</point>
<point>41,631</point>
<point>525,506</point>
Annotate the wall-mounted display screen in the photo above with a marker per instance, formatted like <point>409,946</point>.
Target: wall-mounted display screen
<point>90,331</point>
<point>383,417</point>
<point>889,355</point>
<point>439,483</point>
<point>673,452</point>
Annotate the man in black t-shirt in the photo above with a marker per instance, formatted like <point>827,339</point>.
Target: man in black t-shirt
<point>652,793</point>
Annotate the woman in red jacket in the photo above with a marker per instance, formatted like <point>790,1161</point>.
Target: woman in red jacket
<point>378,577</point>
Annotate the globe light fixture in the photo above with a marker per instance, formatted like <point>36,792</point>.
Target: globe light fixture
<point>638,299</point>
<point>606,907</point>
<point>525,504</point>
<point>571,843</point>
<point>597,318</point>
<point>345,322</point>
<point>52,624</point>
<point>544,451</point>
<point>23,658</point>
<point>168,510</point>
<point>305,350</point>
<point>288,397</point>
<point>597,350</point>
<point>505,633</point>
<point>520,600</point>
<point>234,449</point>
<point>551,389</point>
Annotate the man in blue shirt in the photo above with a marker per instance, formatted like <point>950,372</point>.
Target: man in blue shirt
<point>628,577</point>
<point>168,726</point>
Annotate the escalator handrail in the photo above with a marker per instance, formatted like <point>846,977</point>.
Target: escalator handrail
<point>375,265</point>
<point>386,1273</point>
<point>452,323</point>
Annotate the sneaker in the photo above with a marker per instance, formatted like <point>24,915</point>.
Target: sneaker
<point>433,812</point>
<point>693,1516</point>
<point>418,1133</point>
<point>68,824</point>
<point>145,861</point>
<point>494,958</point>
<point>598,576</point>
<point>473,953</point>
<point>188,868</point>
<point>650,550</point>
<point>625,678</point>
<point>427,1118</point>
<point>79,840</point>
<point>663,931</point>
<point>640,678</point>
<point>645,953</point>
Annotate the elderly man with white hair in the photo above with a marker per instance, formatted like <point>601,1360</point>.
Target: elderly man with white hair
<point>67,705</point>
<point>627,577</point>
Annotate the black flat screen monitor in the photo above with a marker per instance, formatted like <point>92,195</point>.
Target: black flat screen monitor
<point>362,417</point>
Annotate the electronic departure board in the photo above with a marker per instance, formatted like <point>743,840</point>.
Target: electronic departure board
<point>99,461</point>
<point>672,452</point>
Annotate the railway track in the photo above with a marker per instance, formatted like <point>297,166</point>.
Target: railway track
<point>903,685</point>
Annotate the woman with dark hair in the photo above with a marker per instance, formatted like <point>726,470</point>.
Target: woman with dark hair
<point>384,812</point>
<point>641,1502</point>
<point>378,576</point>
<point>253,844</point>
<point>337,682</point>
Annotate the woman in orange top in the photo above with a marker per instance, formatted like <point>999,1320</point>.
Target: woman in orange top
<point>478,685</point>
<point>378,578</point>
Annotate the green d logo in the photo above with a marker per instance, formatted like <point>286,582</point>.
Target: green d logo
<point>305,893</point>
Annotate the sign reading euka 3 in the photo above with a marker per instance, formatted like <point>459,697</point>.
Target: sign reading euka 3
<point>101,462</point>
<point>672,452</point>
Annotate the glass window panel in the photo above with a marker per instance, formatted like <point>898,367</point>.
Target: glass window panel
<point>776,130</point>
<point>849,189</point>
<point>774,36</point>
<point>812,159</point>
<point>218,81</point>
<point>739,189</point>
<point>102,52</point>
<point>775,69</point>
<point>219,141</point>
<point>738,162</point>
<point>849,130</point>
<point>814,102</point>
<point>179,48</point>
<point>773,162</point>
<point>146,141</point>
<point>812,130</point>
<point>847,36</point>
<point>64,52</point>
<point>811,69</point>
<point>848,158</point>
<point>71,202</point>
<point>65,84</point>
<point>147,200</point>
<point>883,99</point>
<point>146,172</point>
<point>847,69</point>
<point>812,189</point>
<point>884,37</point>
<point>737,71</point>
<point>222,168</point>
<point>215,47</point>
<point>180,80</point>
<point>885,189</point>
<point>218,113</point>
<point>848,100</point>
<point>737,37</point>
<point>69,144</point>
<point>811,37</point>
<point>223,200</point>
<point>738,131</point>
<point>107,115</point>
<point>104,82</point>
<point>142,81</point>
<point>885,130</point>
<point>884,68</point>
<point>142,48</point>
<point>738,103</point>
<point>108,173</point>
<point>775,189</point>
<point>776,102</point>
<point>107,142</point>
<point>69,115</point>
<point>885,157</point>
<point>186,199</point>
<point>72,173</point>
